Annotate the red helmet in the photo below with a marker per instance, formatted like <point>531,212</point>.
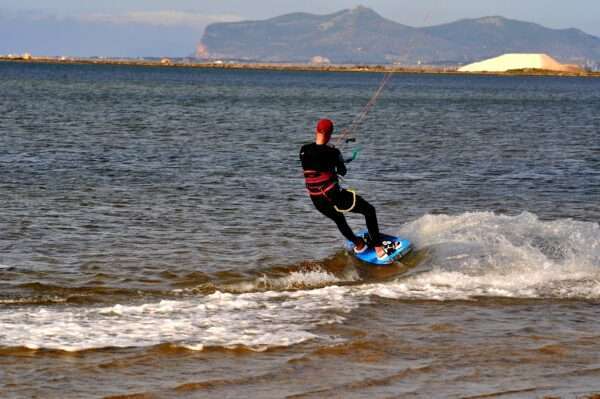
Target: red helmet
<point>325,126</point>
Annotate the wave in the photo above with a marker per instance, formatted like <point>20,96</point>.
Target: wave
<point>39,300</point>
<point>293,280</point>
<point>252,320</point>
<point>470,256</point>
<point>484,254</point>
<point>36,293</point>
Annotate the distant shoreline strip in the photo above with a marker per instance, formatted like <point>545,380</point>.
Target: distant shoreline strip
<point>293,67</point>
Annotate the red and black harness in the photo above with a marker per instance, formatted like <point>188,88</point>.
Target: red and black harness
<point>318,183</point>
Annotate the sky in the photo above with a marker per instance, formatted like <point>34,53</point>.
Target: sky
<point>174,27</point>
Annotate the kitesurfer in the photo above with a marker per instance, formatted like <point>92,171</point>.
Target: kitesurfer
<point>322,163</point>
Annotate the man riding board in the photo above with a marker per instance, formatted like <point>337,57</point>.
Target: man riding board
<point>322,163</point>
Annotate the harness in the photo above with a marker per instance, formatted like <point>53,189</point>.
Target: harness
<point>318,183</point>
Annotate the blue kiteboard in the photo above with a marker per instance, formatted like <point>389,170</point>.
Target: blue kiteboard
<point>397,248</point>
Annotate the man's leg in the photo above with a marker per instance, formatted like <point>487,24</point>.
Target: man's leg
<point>366,209</point>
<point>327,209</point>
<point>347,200</point>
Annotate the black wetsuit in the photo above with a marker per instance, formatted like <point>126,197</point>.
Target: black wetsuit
<point>324,158</point>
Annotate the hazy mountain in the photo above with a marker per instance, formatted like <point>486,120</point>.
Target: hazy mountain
<point>490,36</point>
<point>357,35</point>
<point>362,35</point>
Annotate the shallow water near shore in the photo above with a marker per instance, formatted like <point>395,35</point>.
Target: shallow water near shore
<point>156,238</point>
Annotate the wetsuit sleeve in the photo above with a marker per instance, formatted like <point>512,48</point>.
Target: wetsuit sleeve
<point>340,166</point>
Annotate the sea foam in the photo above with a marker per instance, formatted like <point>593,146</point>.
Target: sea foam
<point>253,320</point>
<point>472,255</point>
<point>484,254</point>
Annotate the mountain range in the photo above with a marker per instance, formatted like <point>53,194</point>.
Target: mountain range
<point>360,35</point>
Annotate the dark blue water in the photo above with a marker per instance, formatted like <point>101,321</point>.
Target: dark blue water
<point>143,207</point>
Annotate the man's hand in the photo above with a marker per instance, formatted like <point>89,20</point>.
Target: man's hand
<point>354,155</point>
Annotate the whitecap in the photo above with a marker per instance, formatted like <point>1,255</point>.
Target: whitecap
<point>253,320</point>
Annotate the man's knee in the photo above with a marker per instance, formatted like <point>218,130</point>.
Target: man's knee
<point>367,209</point>
<point>339,219</point>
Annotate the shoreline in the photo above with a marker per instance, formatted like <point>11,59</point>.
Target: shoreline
<point>291,67</point>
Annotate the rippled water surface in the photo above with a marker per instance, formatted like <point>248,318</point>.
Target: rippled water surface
<point>156,238</point>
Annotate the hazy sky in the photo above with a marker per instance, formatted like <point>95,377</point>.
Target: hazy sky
<point>583,14</point>
<point>187,18</point>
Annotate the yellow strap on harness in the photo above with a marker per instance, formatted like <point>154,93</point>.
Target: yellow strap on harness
<point>353,203</point>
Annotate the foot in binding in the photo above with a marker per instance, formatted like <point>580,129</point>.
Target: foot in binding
<point>385,250</point>
<point>360,247</point>
<point>382,254</point>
